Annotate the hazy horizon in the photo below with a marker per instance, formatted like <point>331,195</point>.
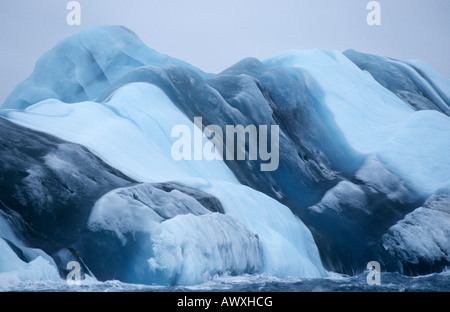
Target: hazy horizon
<point>215,35</point>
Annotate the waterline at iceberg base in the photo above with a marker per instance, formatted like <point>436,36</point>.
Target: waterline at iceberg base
<point>87,175</point>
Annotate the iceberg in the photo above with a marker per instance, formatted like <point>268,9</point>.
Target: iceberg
<point>363,143</point>
<point>148,122</point>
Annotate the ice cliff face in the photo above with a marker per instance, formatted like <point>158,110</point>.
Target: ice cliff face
<point>363,160</point>
<point>60,203</point>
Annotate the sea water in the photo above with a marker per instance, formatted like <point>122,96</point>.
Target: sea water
<point>390,282</point>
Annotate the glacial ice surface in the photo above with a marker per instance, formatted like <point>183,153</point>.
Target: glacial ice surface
<point>363,140</point>
<point>135,137</point>
<point>422,237</point>
<point>81,67</point>
<point>373,120</point>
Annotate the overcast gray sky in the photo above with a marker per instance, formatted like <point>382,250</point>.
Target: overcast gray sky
<point>214,34</point>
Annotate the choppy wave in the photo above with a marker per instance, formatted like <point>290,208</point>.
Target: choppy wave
<point>390,282</point>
